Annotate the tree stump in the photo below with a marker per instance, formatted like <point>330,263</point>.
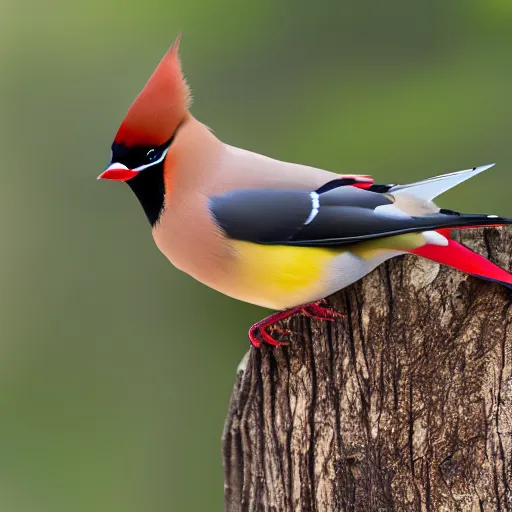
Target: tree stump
<point>405,404</point>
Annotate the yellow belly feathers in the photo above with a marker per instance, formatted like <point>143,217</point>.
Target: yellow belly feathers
<point>280,276</point>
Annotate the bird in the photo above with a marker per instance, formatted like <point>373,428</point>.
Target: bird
<point>280,235</point>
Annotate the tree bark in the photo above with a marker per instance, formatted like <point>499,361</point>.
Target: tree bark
<point>405,404</point>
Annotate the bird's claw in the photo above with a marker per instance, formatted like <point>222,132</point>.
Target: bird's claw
<point>258,332</point>
<point>320,311</point>
<point>259,335</point>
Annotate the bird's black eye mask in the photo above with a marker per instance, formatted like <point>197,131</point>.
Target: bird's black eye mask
<point>140,158</point>
<point>147,179</point>
<point>148,182</point>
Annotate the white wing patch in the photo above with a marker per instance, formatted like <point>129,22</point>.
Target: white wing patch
<point>391,210</point>
<point>315,205</point>
<point>435,238</point>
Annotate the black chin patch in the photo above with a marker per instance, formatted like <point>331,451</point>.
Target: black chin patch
<point>149,188</point>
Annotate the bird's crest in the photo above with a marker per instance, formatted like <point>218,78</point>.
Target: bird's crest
<point>160,106</point>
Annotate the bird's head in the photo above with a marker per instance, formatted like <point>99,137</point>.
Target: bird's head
<point>147,132</point>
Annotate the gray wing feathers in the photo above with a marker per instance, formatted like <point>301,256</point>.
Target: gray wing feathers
<point>344,216</point>
<point>284,216</point>
<point>336,214</point>
<point>337,224</point>
<point>264,216</point>
<point>351,196</point>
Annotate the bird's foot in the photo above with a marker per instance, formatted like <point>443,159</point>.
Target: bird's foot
<point>259,332</point>
<point>260,335</point>
<point>320,311</point>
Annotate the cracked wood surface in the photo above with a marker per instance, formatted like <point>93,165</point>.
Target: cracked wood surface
<point>403,405</point>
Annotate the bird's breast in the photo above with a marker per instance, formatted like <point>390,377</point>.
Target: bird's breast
<point>279,276</point>
<point>187,235</point>
<point>272,276</point>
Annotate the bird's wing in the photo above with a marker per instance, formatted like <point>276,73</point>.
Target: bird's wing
<point>325,217</point>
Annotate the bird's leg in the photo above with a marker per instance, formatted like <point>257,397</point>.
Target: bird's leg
<point>259,335</point>
<point>320,311</point>
<point>317,310</point>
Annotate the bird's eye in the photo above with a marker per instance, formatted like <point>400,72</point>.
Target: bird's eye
<point>151,155</point>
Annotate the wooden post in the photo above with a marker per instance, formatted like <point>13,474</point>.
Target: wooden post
<point>403,405</point>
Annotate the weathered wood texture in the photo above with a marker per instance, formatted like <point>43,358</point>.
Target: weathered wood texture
<point>403,405</point>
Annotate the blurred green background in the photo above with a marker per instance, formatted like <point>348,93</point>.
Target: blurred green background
<point>115,368</point>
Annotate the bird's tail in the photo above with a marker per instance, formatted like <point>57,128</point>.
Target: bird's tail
<point>456,255</point>
<point>443,249</point>
<point>430,188</point>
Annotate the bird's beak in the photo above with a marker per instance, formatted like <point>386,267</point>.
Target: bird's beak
<point>118,172</point>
